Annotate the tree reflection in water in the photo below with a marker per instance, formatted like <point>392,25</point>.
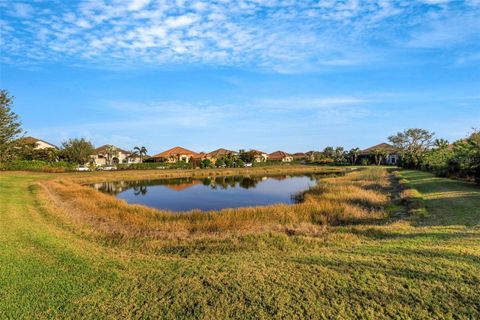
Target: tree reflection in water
<point>140,187</point>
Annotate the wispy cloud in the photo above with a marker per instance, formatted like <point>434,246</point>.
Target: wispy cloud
<point>285,36</point>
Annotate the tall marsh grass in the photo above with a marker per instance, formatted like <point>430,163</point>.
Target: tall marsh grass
<point>358,196</point>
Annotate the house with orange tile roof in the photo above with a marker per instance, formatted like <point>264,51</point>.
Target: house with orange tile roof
<point>219,153</point>
<point>281,156</point>
<point>299,156</point>
<point>259,156</point>
<point>176,154</point>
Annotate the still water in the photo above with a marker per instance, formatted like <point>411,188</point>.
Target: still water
<point>183,194</point>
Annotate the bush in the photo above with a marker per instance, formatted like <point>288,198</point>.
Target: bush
<point>37,165</point>
<point>205,163</point>
<point>219,163</point>
<point>364,162</point>
<point>154,166</point>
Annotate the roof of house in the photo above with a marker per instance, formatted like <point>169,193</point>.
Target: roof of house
<point>220,153</point>
<point>299,154</point>
<point>35,140</point>
<point>382,146</point>
<point>175,151</point>
<point>183,186</point>
<point>258,151</point>
<point>278,155</point>
<point>103,149</point>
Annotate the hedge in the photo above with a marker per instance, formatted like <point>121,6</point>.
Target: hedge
<point>37,165</point>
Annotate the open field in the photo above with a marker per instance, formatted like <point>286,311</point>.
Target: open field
<point>371,244</point>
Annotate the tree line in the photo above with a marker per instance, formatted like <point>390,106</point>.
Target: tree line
<point>420,149</point>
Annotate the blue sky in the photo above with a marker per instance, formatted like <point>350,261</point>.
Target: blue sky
<point>269,74</point>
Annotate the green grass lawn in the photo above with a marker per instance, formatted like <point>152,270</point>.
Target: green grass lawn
<point>409,268</point>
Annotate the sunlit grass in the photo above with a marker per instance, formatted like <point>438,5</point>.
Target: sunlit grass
<point>355,249</point>
<point>358,196</point>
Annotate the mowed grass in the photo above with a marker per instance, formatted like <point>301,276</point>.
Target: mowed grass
<point>56,264</point>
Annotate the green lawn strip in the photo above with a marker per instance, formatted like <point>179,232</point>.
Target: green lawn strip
<point>449,202</point>
<point>42,274</point>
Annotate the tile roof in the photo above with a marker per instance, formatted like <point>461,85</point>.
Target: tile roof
<point>35,140</point>
<point>384,146</point>
<point>278,155</point>
<point>220,153</point>
<point>103,149</point>
<point>175,151</point>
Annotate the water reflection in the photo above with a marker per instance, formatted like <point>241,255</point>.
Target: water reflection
<point>212,193</point>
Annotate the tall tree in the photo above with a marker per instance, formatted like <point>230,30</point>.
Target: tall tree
<point>353,155</point>
<point>77,150</point>
<point>339,155</point>
<point>141,152</point>
<point>413,143</point>
<point>380,155</point>
<point>10,127</point>
<point>110,151</point>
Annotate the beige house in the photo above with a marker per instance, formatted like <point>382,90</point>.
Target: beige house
<point>176,154</point>
<point>299,156</point>
<point>39,144</point>
<point>280,156</point>
<point>219,153</point>
<point>101,157</point>
<point>259,156</point>
<point>393,155</point>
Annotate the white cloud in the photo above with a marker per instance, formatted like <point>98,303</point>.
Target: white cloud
<point>22,10</point>
<point>284,36</point>
<point>138,4</point>
<point>180,21</point>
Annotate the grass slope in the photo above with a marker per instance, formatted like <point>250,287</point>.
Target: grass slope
<point>403,267</point>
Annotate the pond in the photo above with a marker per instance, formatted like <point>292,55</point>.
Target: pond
<point>183,194</point>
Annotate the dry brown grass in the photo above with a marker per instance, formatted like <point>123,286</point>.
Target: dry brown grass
<point>357,196</point>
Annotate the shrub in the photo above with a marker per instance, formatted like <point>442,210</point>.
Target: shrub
<point>205,163</point>
<point>37,165</point>
<point>219,163</point>
<point>154,165</point>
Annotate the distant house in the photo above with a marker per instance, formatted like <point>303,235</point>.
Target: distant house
<point>38,143</point>
<point>280,156</point>
<point>299,156</point>
<point>101,157</point>
<point>393,156</point>
<point>219,153</point>
<point>259,156</point>
<point>176,154</point>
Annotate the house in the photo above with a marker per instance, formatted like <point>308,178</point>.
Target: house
<point>219,153</point>
<point>280,156</point>
<point>259,156</point>
<point>176,154</point>
<point>393,156</point>
<point>299,156</point>
<point>102,157</point>
<point>38,143</point>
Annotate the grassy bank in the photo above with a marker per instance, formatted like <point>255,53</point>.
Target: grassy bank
<point>354,250</point>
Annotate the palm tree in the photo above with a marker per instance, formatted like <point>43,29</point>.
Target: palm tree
<point>380,155</point>
<point>353,154</point>
<point>110,152</point>
<point>141,151</point>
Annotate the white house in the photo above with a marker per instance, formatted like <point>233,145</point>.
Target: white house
<point>39,144</point>
<point>102,157</point>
